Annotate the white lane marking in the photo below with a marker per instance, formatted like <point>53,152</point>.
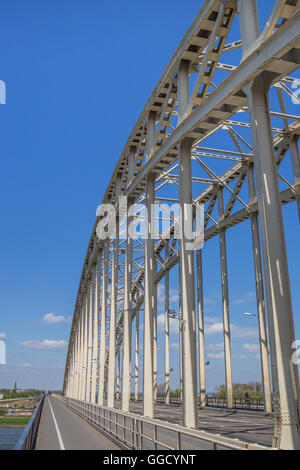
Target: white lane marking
<point>61,444</point>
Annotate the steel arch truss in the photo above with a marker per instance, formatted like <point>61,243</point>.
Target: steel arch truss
<point>218,130</point>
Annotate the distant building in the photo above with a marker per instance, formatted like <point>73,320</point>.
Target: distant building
<point>1,396</point>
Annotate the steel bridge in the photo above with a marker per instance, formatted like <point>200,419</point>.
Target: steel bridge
<point>217,131</point>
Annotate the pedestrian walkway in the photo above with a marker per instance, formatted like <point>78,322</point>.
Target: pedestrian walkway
<point>62,429</point>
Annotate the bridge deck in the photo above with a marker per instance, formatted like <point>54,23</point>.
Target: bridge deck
<point>61,429</point>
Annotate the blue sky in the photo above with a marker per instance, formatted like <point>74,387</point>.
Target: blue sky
<point>78,74</point>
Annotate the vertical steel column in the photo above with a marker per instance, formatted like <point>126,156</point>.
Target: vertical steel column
<point>113,313</point>
<point>274,253</point>
<point>263,339</point>
<point>74,389</point>
<point>95,332</point>
<point>76,363</point>
<point>187,290</point>
<point>149,278</point>
<point>80,397</point>
<point>72,394</point>
<point>85,343</point>
<point>103,324</point>
<point>180,330</point>
<point>296,167</point>
<point>183,94</point>
<point>149,302</point>
<point>167,329</point>
<point>225,302</point>
<point>131,163</point>
<point>155,337</point>
<point>126,365</point>
<point>90,339</point>
<point>249,27</point>
<point>118,377</point>
<point>70,378</point>
<point>68,391</point>
<point>275,261</point>
<point>136,362</point>
<point>183,89</point>
<point>201,330</point>
<point>249,24</point>
<point>273,242</point>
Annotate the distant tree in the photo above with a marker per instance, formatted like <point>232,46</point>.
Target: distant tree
<point>254,390</point>
<point>175,393</point>
<point>161,389</point>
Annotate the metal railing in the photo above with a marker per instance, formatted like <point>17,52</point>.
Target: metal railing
<point>254,404</point>
<point>136,432</point>
<point>28,437</point>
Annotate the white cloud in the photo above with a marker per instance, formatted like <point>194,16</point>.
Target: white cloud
<point>173,295</point>
<point>238,357</point>
<point>46,344</point>
<point>251,347</point>
<point>174,345</point>
<point>237,331</point>
<point>214,328</point>
<point>2,335</point>
<point>215,355</point>
<point>52,318</point>
<point>215,347</point>
<point>213,320</point>
<point>25,365</point>
<point>242,332</point>
<point>245,298</point>
<point>173,324</point>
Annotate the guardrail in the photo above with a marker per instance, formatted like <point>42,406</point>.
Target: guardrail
<point>254,404</point>
<point>136,432</point>
<point>28,437</point>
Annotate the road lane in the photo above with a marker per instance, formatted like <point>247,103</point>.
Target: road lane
<point>248,426</point>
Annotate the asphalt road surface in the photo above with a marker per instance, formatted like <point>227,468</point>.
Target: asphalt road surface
<point>62,429</point>
<point>248,426</point>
